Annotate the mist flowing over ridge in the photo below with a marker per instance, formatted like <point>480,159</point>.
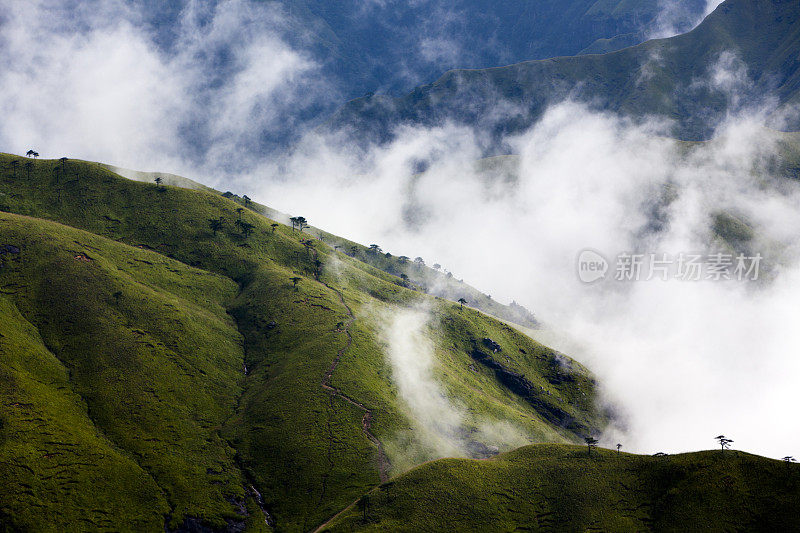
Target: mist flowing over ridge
<point>208,88</point>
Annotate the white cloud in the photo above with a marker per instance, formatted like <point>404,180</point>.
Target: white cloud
<point>90,81</point>
<point>674,18</point>
<point>684,361</point>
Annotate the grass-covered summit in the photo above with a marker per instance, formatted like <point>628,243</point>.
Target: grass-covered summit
<point>160,370</point>
<point>564,488</point>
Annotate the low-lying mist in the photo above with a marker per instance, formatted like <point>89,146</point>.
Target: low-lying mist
<point>441,425</point>
<point>682,361</point>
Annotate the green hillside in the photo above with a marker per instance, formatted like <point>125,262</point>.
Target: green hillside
<point>157,373</point>
<point>562,488</point>
<point>430,280</point>
<point>654,78</point>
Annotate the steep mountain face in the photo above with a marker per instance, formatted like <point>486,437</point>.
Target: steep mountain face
<point>158,371</point>
<point>744,50</point>
<point>392,46</point>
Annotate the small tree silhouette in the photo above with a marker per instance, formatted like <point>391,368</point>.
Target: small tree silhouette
<point>724,442</point>
<point>239,212</point>
<point>437,266</point>
<point>353,251</point>
<point>273,226</point>
<point>30,153</point>
<point>788,460</point>
<point>419,261</point>
<point>591,443</point>
<point>301,223</point>
<point>246,228</point>
<point>403,259</point>
<point>462,301</point>
<point>63,162</point>
<point>36,155</point>
<point>295,280</point>
<point>28,167</point>
<point>158,181</point>
<point>404,277</point>
<point>618,447</point>
<point>14,167</point>
<point>247,200</point>
<point>374,249</point>
<point>216,224</point>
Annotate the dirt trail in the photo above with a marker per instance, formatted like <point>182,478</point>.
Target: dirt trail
<point>366,420</point>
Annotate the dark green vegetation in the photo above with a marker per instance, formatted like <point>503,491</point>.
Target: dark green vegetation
<point>157,373</point>
<point>561,488</point>
<point>654,78</point>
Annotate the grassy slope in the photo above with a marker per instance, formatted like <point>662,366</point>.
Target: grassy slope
<point>560,488</point>
<point>58,470</point>
<point>420,277</point>
<point>152,352</point>
<point>165,365</point>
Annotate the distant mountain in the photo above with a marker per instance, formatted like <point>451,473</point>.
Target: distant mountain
<point>659,77</point>
<point>394,45</point>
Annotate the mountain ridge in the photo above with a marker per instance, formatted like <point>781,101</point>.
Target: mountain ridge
<point>195,354</point>
<point>654,78</point>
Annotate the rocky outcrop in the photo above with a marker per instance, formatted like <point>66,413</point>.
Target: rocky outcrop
<point>535,396</point>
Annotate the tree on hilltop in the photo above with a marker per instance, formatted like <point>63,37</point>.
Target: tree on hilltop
<point>724,442</point>
<point>591,443</point>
